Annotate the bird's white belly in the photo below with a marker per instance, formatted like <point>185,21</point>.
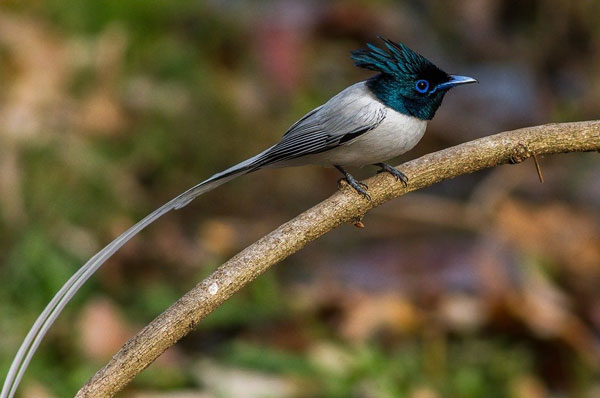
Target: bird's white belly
<point>396,135</point>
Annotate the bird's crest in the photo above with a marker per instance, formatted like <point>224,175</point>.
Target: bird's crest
<point>397,60</point>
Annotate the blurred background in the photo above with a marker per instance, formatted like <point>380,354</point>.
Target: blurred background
<point>483,286</point>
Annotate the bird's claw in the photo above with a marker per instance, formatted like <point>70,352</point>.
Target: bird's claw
<point>358,186</point>
<point>400,176</point>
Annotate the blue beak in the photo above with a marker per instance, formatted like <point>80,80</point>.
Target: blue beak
<point>456,80</point>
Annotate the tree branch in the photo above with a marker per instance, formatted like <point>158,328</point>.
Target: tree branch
<point>342,207</point>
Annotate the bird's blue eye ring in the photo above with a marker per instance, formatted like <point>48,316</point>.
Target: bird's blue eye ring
<point>422,86</point>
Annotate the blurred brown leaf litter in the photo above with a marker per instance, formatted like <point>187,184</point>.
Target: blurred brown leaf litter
<point>482,286</point>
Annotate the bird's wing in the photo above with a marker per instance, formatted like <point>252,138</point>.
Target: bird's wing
<point>339,121</point>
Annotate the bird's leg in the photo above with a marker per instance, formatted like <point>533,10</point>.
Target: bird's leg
<point>354,183</point>
<point>393,171</point>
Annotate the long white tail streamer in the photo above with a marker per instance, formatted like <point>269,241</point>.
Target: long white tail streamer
<point>70,288</point>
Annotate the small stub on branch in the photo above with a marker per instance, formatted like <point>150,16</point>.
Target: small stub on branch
<point>520,153</point>
<point>357,222</point>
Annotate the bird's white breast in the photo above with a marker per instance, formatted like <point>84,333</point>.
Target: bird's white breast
<point>397,134</point>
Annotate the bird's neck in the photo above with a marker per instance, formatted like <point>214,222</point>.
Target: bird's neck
<point>389,91</point>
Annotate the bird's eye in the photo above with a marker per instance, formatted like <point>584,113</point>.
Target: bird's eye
<point>422,86</point>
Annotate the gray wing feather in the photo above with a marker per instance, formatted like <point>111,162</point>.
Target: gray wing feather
<point>324,128</point>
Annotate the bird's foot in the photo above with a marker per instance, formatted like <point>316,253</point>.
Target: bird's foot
<point>358,186</point>
<point>400,176</point>
<point>343,181</point>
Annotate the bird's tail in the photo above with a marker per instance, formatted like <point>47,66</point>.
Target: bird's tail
<point>70,288</point>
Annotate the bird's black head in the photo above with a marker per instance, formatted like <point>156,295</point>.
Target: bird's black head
<point>408,82</point>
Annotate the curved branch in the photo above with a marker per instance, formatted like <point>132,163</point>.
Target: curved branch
<point>342,207</point>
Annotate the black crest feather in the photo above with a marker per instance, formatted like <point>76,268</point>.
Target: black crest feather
<point>397,60</point>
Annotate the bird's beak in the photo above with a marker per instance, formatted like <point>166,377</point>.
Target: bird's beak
<point>456,80</point>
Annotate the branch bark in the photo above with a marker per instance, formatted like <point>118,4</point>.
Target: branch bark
<point>342,207</point>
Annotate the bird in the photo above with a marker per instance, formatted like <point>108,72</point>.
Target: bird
<point>367,123</point>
